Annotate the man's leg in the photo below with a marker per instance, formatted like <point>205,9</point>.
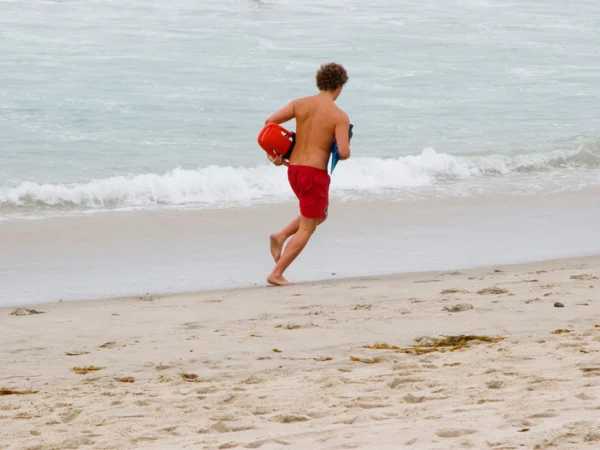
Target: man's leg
<point>278,239</point>
<point>306,228</point>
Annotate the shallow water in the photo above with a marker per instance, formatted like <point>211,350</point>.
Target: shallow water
<point>134,253</point>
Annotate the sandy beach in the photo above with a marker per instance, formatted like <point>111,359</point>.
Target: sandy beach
<point>353,363</point>
<point>451,300</point>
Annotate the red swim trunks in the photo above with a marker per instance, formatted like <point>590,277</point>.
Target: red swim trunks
<point>311,186</point>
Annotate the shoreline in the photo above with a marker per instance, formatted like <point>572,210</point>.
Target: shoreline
<point>316,365</point>
<point>383,277</point>
<point>187,251</point>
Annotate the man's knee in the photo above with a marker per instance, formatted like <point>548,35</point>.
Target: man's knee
<point>324,217</point>
<point>309,225</point>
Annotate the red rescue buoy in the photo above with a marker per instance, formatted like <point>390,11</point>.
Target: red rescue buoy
<point>276,140</point>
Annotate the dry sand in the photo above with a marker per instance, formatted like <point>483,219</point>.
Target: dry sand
<point>288,368</point>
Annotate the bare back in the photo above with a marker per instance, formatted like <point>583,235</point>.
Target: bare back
<point>317,117</point>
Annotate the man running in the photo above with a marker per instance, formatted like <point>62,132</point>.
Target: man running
<point>318,122</point>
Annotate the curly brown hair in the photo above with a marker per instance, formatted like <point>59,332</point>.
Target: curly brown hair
<point>331,76</point>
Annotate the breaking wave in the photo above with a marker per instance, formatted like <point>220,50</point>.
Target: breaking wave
<point>230,186</point>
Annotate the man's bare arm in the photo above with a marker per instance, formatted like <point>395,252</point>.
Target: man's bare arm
<point>288,112</point>
<point>342,138</point>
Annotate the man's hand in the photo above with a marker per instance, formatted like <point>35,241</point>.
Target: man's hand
<point>277,160</point>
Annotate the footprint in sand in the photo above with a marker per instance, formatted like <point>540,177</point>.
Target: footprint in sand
<point>77,353</point>
<point>109,345</point>
<point>401,381</point>
<point>544,415</point>
<point>458,308</point>
<point>291,418</point>
<point>593,436</point>
<point>69,416</point>
<point>483,401</point>
<point>221,427</point>
<point>260,443</point>
<point>25,312</point>
<point>454,291</point>
<point>362,307</point>
<point>75,443</point>
<point>591,371</point>
<point>454,432</point>
<point>260,411</point>
<point>495,384</point>
<point>584,277</point>
<point>254,379</point>
<point>414,399</point>
<point>492,291</point>
<point>367,405</point>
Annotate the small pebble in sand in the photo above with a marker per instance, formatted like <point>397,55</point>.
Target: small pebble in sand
<point>559,305</point>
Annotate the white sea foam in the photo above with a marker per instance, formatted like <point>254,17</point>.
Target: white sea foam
<point>216,186</point>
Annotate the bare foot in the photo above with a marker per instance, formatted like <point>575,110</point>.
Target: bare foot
<point>276,246</point>
<point>277,280</point>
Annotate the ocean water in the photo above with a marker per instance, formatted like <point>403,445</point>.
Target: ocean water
<point>461,109</point>
<point>108,105</point>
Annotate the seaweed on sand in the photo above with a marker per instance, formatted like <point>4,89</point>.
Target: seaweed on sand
<point>365,361</point>
<point>13,392</point>
<point>85,370</point>
<point>492,291</point>
<point>442,345</point>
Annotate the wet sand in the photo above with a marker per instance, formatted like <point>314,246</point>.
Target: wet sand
<point>170,251</point>
<point>325,365</point>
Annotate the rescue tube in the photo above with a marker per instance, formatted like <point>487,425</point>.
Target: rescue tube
<point>276,140</point>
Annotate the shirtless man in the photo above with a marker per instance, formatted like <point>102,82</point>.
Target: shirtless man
<point>318,122</point>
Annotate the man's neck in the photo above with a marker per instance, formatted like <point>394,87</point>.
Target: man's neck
<point>330,95</point>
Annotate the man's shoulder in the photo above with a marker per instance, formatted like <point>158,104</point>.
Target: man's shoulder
<point>341,115</point>
<point>305,99</point>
